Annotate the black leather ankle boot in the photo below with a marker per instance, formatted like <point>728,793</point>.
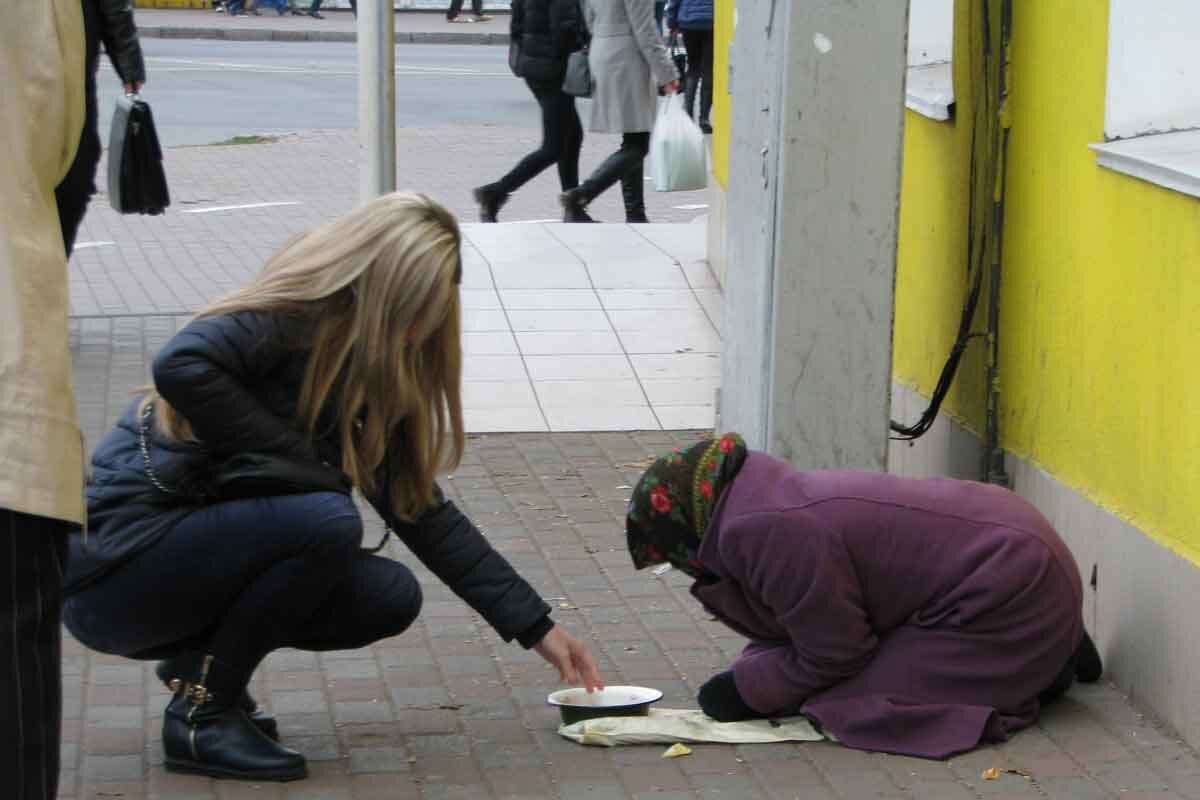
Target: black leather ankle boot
<point>185,668</point>
<point>574,205</point>
<point>490,201</point>
<point>205,732</point>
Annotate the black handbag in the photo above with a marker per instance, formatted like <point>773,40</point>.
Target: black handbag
<point>136,181</point>
<point>578,80</point>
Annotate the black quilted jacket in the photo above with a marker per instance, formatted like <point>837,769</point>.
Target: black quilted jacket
<point>547,31</point>
<point>236,379</point>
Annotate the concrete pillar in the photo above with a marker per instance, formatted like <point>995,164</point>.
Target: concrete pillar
<point>376,97</point>
<point>818,102</point>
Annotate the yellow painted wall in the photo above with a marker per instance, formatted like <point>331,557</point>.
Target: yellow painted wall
<point>721,112</point>
<point>1100,304</point>
<point>931,262</point>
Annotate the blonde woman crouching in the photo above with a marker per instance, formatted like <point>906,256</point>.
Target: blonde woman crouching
<point>221,521</point>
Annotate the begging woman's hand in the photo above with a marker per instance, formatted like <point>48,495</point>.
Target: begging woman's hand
<point>570,657</point>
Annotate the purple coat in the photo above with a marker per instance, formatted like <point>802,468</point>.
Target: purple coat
<point>918,617</point>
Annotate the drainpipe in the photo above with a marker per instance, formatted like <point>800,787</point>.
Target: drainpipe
<point>993,466</point>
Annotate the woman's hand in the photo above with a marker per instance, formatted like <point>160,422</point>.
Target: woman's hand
<point>671,88</point>
<point>570,657</point>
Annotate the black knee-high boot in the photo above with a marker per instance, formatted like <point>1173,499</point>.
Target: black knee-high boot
<point>206,732</point>
<point>633,192</point>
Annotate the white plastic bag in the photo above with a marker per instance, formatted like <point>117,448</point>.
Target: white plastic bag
<point>665,725</point>
<point>678,158</point>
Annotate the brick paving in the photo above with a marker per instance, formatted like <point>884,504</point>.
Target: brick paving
<point>448,711</point>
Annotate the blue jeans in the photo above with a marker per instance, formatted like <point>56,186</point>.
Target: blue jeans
<point>242,578</point>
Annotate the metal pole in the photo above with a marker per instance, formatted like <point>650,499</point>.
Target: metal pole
<point>377,97</point>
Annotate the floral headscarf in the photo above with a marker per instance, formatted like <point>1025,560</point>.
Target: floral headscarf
<point>673,502</point>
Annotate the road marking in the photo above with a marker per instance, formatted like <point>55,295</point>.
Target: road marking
<point>165,64</point>
<point>691,207</point>
<point>238,208</point>
<point>86,245</point>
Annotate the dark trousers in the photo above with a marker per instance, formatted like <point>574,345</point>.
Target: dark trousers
<point>242,578</point>
<point>626,166</point>
<point>33,553</point>
<point>562,139</point>
<point>456,7</point>
<point>660,8</point>
<point>79,184</point>
<point>699,46</point>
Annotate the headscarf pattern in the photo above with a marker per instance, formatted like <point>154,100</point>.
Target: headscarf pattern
<point>673,502</point>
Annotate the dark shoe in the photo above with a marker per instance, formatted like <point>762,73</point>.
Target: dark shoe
<point>574,207</point>
<point>205,732</point>
<point>705,126</point>
<point>637,219</point>
<point>316,15</point>
<point>490,202</point>
<point>185,668</point>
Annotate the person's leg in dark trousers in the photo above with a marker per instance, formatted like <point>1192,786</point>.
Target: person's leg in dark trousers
<point>562,138</point>
<point>660,8</point>
<point>290,572</point>
<point>454,10</point>
<point>699,73</point>
<point>706,83</point>
<point>622,164</point>
<point>33,552</point>
<point>314,10</point>
<point>79,184</point>
<point>568,160</point>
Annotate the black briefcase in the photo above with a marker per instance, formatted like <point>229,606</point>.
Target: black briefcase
<point>136,181</point>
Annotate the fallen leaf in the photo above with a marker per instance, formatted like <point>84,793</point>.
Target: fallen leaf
<point>992,773</point>
<point>677,750</point>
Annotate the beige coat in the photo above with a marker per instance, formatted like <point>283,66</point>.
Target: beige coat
<point>629,62</point>
<point>41,117</point>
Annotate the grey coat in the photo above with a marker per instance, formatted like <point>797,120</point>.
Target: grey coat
<point>629,62</point>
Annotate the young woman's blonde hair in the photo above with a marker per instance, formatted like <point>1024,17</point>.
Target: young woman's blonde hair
<point>381,284</point>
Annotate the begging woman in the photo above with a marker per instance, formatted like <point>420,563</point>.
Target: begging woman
<point>222,524</point>
<point>917,617</point>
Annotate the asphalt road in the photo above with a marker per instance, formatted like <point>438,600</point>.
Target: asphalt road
<point>205,91</point>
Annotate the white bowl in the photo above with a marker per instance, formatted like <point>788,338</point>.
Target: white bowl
<point>611,701</point>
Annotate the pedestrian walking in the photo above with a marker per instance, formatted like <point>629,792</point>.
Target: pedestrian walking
<point>694,20</point>
<point>545,33</point>
<point>41,448</point>
<point>222,526</point>
<point>111,22</point>
<point>453,13</point>
<point>629,62</point>
<point>916,617</point>
<point>314,11</point>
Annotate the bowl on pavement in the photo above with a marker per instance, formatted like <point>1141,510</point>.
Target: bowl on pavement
<point>611,701</point>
